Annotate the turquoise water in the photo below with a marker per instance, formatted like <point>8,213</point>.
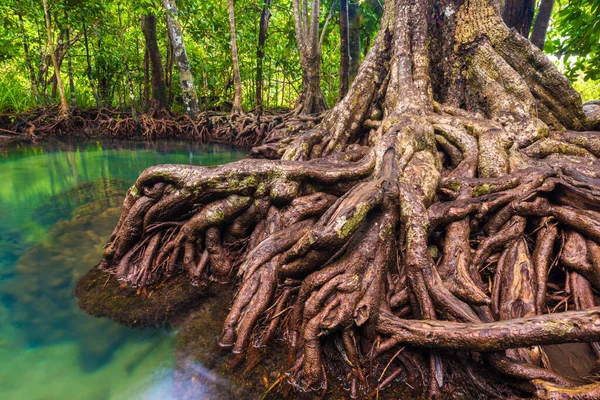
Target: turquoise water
<point>58,205</point>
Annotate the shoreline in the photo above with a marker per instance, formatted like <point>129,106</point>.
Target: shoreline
<point>246,130</point>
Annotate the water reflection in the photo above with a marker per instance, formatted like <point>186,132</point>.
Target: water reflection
<point>58,204</point>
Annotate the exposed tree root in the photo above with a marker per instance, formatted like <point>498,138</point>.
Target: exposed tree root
<point>456,226</point>
<point>241,130</point>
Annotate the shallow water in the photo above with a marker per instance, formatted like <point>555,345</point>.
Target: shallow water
<point>58,205</point>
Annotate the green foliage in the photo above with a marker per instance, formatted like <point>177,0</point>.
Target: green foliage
<point>574,38</point>
<point>206,35</point>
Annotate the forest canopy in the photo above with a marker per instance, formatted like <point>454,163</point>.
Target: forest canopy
<point>109,33</point>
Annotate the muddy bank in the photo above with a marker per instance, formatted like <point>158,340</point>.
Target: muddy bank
<point>101,295</point>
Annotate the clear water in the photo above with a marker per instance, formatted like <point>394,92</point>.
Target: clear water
<point>58,205</point>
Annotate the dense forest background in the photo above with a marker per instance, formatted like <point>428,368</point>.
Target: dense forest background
<point>105,55</point>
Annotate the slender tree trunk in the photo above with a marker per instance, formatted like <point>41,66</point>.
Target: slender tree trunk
<point>146,93</point>
<point>188,89</point>
<point>265,15</point>
<point>159,91</point>
<point>169,64</point>
<point>64,106</point>
<point>32,75</point>
<point>40,72</point>
<point>69,59</point>
<point>311,100</point>
<point>126,65</point>
<point>542,21</point>
<point>354,38</point>
<point>89,65</point>
<point>344,49</point>
<point>518,14</point>
<point>237,80</point>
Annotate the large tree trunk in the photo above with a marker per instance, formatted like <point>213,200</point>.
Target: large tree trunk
<point>64,106</point>
<point>186,79</point>
<point>237,80</point>
<point>424,213</point>
<point>265,15</point>
<point>159,91</point>
<point>542,21</point>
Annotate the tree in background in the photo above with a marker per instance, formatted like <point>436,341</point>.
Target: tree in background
<point>518,14</point>
<point>354,17</point>
<point>265,15</point>
<point>186,79</point>
<point>64,106</point>
<point>237,80</point>
<point>344,49</point>
<point>542,21</point>
<point>309,38</point>
<point>32,74</point>
<point>159,91</point>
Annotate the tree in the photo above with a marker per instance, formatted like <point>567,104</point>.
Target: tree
<point>159,91</point>
<point>126,63</point>
<point>69,58</point>
<point>542,21</point>
<point>89,63</point>
<point>64,106</point>
<point>186,79</point>
<point>354,38</point>
<point>265,15</point>
<point>361,233</point>
<point>518,14</point>
<point>237,80</point>
<point>311,100</point>
<point>344,49</point>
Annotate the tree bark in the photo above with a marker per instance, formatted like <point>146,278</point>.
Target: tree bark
<point>344,49</point>
<point>355,241</point>
<point>265,15</point>
<point>146,92</point>
<point>237,80</point>
<point>64,106</point>
<point>542,21</point>
<point>186,79</point>
<point>518,14</point>
<point>311,100</point>
<point>354,38</point>
<point>159,91</point>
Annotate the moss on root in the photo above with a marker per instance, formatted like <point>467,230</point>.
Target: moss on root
<point>100,294</point>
